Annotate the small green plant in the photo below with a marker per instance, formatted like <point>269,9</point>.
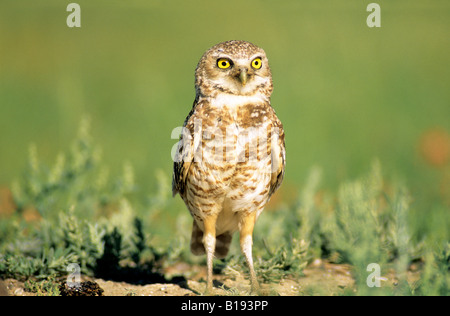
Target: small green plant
<point>435,279</point>
<point>73,197</point>
<point>358,230</point>
<point>77,180</point>
<point>288,260</point>
<point>47,287</point>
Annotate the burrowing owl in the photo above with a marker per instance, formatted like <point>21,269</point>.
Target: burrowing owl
<point>231,156</point>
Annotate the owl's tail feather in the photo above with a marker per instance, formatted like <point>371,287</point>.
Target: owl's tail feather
<point>197,247</point>
<point>222,243</point>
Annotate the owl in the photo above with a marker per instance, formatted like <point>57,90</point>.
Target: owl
<point>230,157</point>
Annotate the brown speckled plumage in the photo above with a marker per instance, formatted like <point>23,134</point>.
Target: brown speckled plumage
<point>231,155</point>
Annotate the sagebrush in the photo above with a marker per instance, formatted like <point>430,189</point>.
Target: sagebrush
<point>85,215</point>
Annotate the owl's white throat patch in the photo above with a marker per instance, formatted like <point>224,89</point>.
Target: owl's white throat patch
<point>231,100</point>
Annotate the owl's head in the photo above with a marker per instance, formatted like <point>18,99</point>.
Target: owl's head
<point>234,67</point>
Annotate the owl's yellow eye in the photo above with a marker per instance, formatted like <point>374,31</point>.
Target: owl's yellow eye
<point>257,63</point>
<point>223,63</point>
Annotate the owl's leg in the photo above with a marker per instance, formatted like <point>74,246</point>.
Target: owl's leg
<point>247,223</point>
<point>209,241</point>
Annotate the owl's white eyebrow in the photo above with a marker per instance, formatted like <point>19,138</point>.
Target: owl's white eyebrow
<point>224,56</point>
<point>258,55</point>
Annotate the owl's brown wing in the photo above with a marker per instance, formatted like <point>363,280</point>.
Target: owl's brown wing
<point>278,156</point>
<point>184,155</point>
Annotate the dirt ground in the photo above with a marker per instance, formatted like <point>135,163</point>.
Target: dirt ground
<point>320,278</point>
<point>325,277</point>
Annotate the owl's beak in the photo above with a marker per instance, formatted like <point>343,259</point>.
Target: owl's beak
<point>243,76</point>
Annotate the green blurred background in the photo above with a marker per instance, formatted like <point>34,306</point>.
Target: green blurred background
<point>345,92</point>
